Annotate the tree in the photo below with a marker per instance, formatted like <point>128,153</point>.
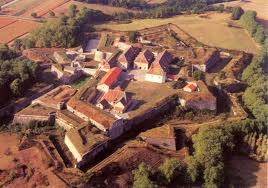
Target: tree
<point>170,169</point>
<point>213,176</point>
<point>237,12</point>
<point>198,75</point>
<point>259,35</point>
<point>17,44</point>
<point>132,36</point>
<point>16,87</point>
<point>193,168</point>
<point>34,15</point>
<point>141,177</point>
<point>72,10</point>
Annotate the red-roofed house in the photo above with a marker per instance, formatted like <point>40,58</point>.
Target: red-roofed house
<point>116,99</point>
<point>109,79</point>
<point>144,60</point>
<point>125,60</point>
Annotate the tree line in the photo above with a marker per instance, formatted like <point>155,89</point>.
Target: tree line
<point>65,31</point>
<point>16,75</point>
<point>164,10</point>
<point>212,147</point>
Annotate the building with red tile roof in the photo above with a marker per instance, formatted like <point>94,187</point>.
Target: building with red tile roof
<point>104,121</point>
<point>116,99</point>
<point>109,79</point>
<point>125,60</point>
<point>144,60</point>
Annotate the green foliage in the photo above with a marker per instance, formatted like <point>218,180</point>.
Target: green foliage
<point>193,168</point>
<point>198,75</point>
<point>6,53</point>
<point>72,10</point>
<point>141,177</point>
<point>16,87</point>
<point>259,35</point>
<point>132,36</point>
<point>248,20</point>
<point>64,31</point>
<point>210,145</point>
<point>16,76</point>
<point>17,44</point>
<point>213,176</point>
<point>237,12</point>
<point>171,169</point>
<point>255,96</point>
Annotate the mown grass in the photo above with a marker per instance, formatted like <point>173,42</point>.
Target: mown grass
<point>212,30</point>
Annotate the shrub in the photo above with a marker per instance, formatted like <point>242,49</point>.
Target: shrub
<point>237,12</point>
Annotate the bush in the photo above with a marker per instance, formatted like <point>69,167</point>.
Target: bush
<point>34,15</point>
<point>171,169</point>
<point>141,177</point>
<point>132,36</point>
<point>237,12</point>
<point>198,75</point>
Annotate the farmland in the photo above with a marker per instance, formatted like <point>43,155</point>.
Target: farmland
<point>104,8</point>
<point>11,28</point>
<point>260,6</point>
<point>211,29</point>
<point>26,7</point>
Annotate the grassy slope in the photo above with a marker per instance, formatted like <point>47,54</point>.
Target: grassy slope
<point>212,30</point>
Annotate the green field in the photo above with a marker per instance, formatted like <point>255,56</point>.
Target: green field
<point>211,29</point>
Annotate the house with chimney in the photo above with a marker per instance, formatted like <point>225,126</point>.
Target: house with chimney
<point>144,60</point>
<point>126,59</point>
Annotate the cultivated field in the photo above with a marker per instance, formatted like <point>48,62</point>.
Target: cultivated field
<point>4,21</point>
<point>211,29</point>
<point>27,7</point>
<point>105,9</point>
<point>24,168</point>
<point>260,6</point>
<point>17,29</point>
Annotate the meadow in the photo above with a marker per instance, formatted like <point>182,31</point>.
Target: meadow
<point>260,6</point>
<point>212,29</point>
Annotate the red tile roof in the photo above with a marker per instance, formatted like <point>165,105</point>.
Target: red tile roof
<point>111,77</point>
<point>92,112</point>
<point>114,96</point>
